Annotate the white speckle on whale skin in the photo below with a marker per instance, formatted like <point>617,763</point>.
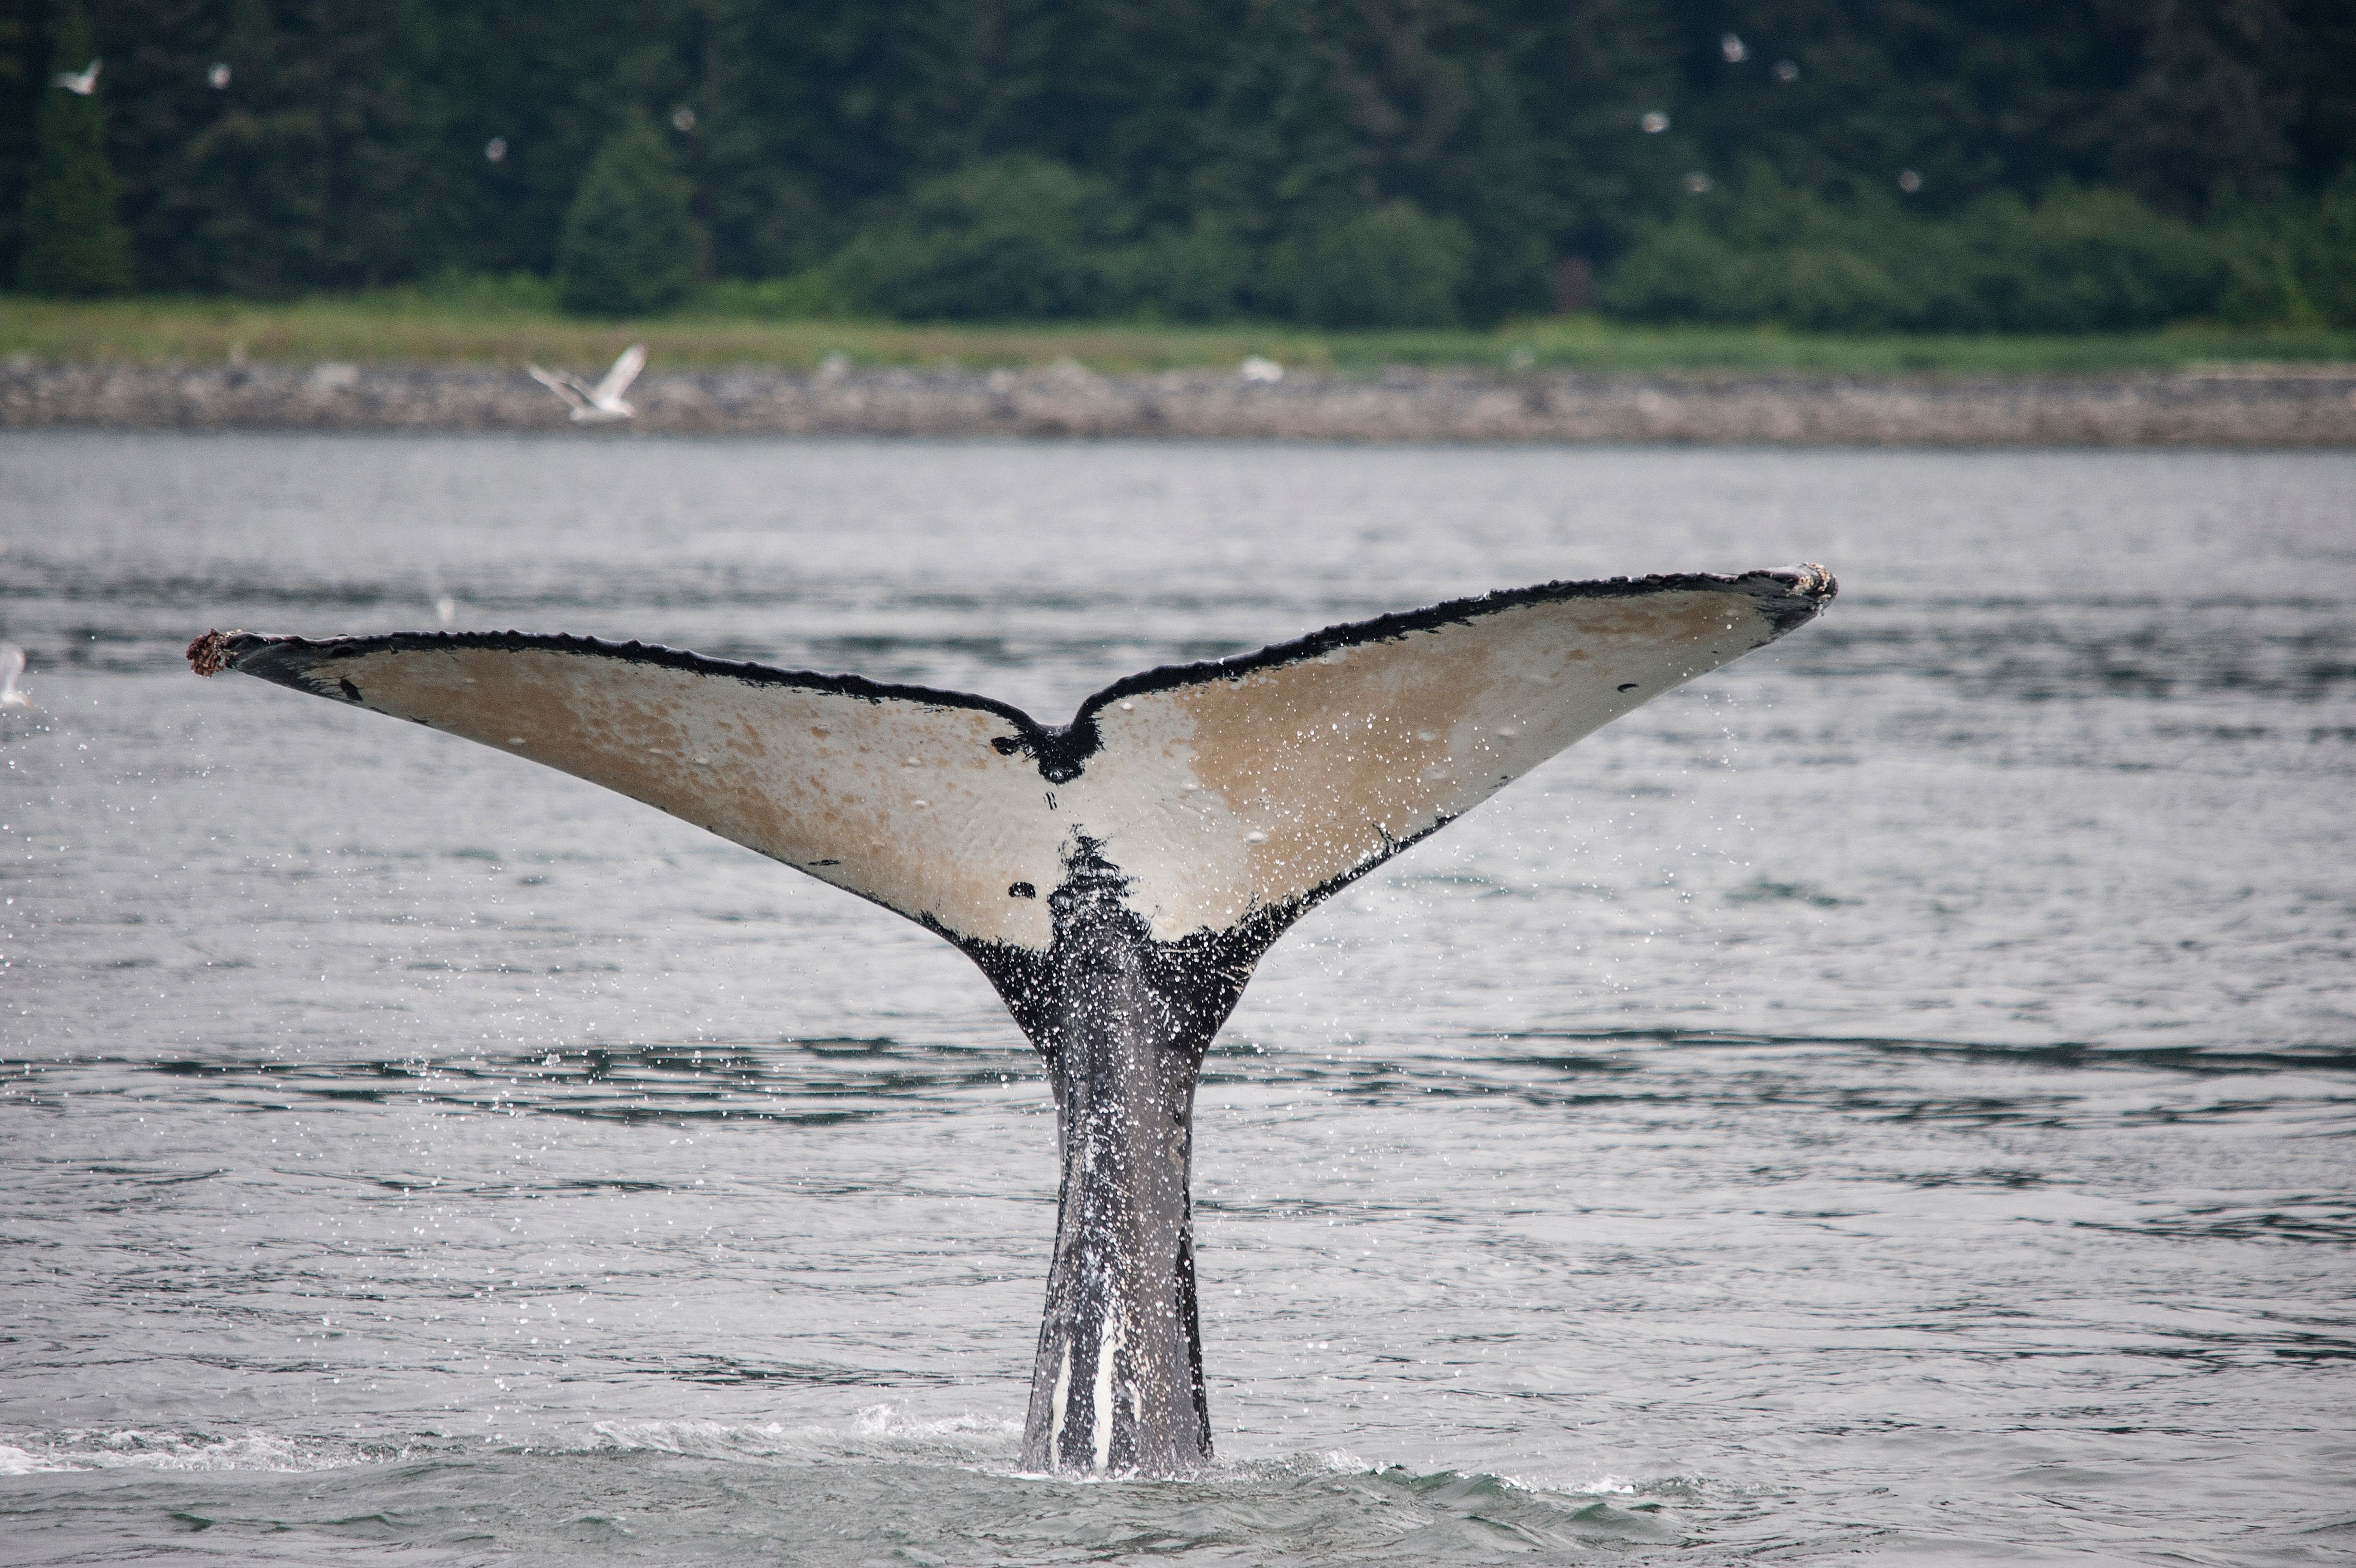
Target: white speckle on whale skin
<point>1107,1350</point>
<point>1056,1406</point>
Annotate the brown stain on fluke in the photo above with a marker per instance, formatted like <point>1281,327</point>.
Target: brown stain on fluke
<point>1333,761</point>
<point>1230,791</point>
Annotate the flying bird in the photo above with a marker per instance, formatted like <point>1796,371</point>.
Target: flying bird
<point>595,405</point>
<point>85,84</point>
<point>12,665</point>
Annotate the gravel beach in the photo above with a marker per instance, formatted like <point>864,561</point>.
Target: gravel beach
<point>2286,407</point>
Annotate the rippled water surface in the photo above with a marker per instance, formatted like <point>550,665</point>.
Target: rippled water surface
<point>1892,1099</point>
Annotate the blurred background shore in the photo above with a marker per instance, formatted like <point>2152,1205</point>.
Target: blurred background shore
<point>2113,206</point>
<point>2234,405</point>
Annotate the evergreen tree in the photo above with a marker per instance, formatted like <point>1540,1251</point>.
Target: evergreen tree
<point>248,199</point>
<point>72,243</point>
<point>1007,238</point>
<point>629,243</point>
<point>368,141</point>
<point>19,70</point>
<point>1394,266</point>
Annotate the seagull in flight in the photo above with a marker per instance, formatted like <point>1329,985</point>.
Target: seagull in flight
<point>595,405</point>
<point>12,665</point>
<point>85,83</point>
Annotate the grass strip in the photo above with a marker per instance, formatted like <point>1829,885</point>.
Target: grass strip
<point>410,326</point>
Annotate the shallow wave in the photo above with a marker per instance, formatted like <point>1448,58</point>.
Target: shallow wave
<point>879,1432</point>
<point>1315,1506</point>
<point>25,1454</point>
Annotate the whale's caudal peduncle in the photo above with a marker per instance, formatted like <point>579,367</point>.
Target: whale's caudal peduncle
<point>1117,879</point>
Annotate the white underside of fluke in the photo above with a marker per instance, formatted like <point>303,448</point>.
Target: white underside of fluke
<point>1216,790</point>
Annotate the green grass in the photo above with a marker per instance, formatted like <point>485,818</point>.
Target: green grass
<point>509,325</point>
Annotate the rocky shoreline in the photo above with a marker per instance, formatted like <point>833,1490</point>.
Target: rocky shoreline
<point>2290,407</point>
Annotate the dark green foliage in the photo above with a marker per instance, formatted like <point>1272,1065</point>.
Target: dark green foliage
<point>1009,239</point>
<point>70,245</point>
<point>2292,264</point>
<point>18,104</point>
<point>552,84</point>
<point>249,196</point>
<point>2079,260</point>
<point>1230,140</point>
<point>1395,265</point>
<point>1199,272</point>
<point>629,244</point>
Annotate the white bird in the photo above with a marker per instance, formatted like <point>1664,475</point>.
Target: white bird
<point>603,402</point>
<point>84,84</point>
<point>12,665</point>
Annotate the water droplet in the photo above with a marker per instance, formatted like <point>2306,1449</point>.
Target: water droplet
<point>1654,122</point>
<point>920,804</point>
<point>496,149</point>
<point>910,762</point>
<point>1254,836</point>
<point>1908,181</point>
<point>682,119</point>
<point>1732,45</point>
<point>1427,734</point>
<point>515,740</point>
<point>218,76</point>
<point>1698,183</point>
<point>1787,70</point>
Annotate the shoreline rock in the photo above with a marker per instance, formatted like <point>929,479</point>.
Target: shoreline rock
<point>2286,407</point>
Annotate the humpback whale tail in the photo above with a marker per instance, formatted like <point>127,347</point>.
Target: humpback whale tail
<point>1116,878</point>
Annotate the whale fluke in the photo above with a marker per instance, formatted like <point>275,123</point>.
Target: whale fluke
<point>1117,877</point>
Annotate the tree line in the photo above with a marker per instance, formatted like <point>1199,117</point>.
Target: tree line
<point>1953,165</point>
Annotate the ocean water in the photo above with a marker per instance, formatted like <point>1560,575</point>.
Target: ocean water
<point>1890,1100</point>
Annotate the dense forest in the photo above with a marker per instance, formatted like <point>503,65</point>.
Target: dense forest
<point>1867,165</point>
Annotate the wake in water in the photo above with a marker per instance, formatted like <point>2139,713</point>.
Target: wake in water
<point>642,1484</point>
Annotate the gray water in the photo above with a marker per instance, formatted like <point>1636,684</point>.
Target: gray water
<point>1891,1100</point>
